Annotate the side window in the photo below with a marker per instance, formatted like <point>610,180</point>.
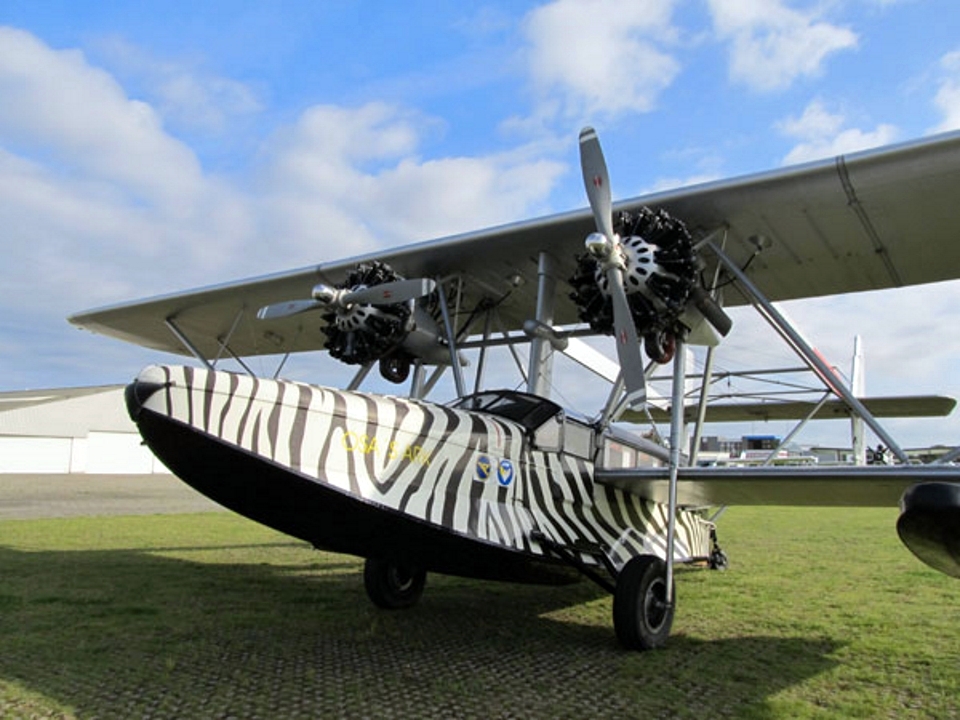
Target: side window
<point>549,436</point>
<point>578,439</point>
<point>618,455</point>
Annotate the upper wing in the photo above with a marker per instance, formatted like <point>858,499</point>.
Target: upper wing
<point>862,486</point>
<point>871,220</point>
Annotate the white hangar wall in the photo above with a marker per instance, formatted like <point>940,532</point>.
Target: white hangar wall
<point>72,430</point>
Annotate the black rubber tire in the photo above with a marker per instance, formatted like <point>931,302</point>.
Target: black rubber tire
<point>391,586</point>
<point>660,346</point>
<point>641,617</point>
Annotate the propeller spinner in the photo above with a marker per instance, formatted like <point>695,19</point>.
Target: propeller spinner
<point>326,297</point>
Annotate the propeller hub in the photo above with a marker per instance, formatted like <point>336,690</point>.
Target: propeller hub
<point>598,245</point>
<point>607,251</point>
<point>325,294</point>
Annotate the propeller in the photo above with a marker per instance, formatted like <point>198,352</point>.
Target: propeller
<point>605,246</point>
<point>326,297</point>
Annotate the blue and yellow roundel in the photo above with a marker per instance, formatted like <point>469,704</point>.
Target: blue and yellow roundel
<point>505,472</point>
<point>484,466</point>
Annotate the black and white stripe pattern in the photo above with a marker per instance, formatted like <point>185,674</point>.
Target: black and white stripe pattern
<point>470,473</point>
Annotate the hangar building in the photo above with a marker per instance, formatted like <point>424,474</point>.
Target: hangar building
<point>71,430</point>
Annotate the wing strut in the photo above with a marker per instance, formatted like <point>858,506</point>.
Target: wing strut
<point>793,433</point>
<point>949,457</point>
<point>185,341</point>
<point>540,376</point>
<point>676,439</point>
<point>806,353</point>
<point>451,340</point>
<point>702,404</point>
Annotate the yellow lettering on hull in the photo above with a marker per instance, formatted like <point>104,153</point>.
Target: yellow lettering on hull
<point>365,445</point>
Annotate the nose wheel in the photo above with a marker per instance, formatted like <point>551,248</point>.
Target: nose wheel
<point>642,617</point>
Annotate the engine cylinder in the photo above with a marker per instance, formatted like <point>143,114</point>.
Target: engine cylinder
<point>660,271</point>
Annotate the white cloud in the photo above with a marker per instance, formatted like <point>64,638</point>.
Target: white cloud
<point>947,99</point>
<point>184,95</point>
<point>55,102</point>
<point>772,45</point>
<point>100,204</point>
<point>822,134</point>
<point>353,176</point>
<point>600,56</point>
<point>97,201</point>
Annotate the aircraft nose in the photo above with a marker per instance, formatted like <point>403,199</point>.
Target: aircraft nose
<point>142,388</point>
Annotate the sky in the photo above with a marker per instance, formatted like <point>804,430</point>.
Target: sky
<point>158,146</point>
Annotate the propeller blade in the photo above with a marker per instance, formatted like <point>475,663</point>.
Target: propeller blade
<point>389,293</point>
<point>628,344</point>
<point>286,309</point>
<point>711,310</point>
<point>596,180</point>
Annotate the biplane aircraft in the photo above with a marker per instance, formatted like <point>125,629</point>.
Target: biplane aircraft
<point>507,484</point>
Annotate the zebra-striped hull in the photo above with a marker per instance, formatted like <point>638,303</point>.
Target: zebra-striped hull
<point>449,490</point>
<point>329,519</point>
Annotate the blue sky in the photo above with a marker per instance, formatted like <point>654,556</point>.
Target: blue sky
<point>154,146</point>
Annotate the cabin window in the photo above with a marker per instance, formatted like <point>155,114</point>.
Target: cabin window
<point>578,439</point>
<point>545,423</point>
<point>528,410</point>
<point>618,455</point>
<point>549,436</point>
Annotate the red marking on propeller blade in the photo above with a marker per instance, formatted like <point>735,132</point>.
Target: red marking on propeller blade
<point>597,181</point>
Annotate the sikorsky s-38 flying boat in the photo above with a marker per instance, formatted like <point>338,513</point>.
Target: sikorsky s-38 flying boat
<point>504,484</point>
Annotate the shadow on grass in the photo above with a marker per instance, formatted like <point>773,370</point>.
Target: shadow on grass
<point>128,633</point>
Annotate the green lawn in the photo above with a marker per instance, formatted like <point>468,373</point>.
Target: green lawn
<point>822,614</point>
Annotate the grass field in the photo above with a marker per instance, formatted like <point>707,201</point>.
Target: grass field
<point>822,614</point>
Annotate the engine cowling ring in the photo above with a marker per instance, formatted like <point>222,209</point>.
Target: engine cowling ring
<point>359,334</point>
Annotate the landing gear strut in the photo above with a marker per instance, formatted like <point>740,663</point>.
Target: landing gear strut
<point>718,558</point>
<point>642,616</point>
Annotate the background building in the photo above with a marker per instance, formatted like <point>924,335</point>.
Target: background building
<point>72,430</point>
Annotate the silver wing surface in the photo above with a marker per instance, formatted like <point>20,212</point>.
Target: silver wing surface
<point>833,486</point>
<point>906,406</point>
<point>871,220</point>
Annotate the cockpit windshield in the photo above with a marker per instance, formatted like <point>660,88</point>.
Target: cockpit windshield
<point>530,411</point>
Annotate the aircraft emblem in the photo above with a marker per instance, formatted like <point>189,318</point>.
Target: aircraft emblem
<point>483,467</point>
<point>505,472</point>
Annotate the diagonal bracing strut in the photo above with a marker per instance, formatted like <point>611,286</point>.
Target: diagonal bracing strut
<point>806,353</point>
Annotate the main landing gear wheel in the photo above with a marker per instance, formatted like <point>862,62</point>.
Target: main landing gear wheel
<point>641,616</point>
<point>392,586</point>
